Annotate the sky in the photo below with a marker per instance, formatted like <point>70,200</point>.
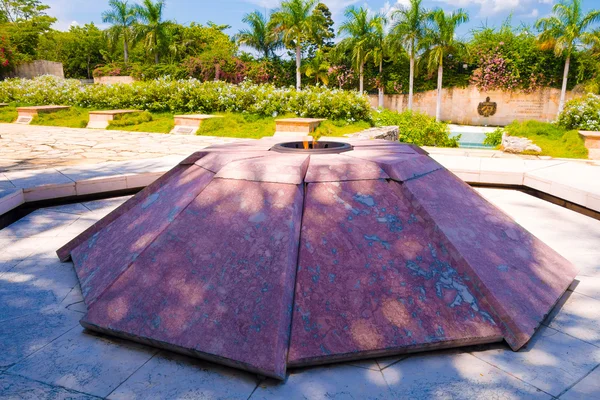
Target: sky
<point>231,12</point>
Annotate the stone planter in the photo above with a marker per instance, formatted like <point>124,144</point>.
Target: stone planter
<point>592,143</point>
<point>26,114</point>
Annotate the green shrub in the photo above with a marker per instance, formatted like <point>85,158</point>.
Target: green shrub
<point>494,138</point>
<point>130,119</point>
<point>191,96</point>
<point>554,140</point>
<point>113,69</point>
<point>417,128</point>
<point>145,72</point>
<point>582,113</point>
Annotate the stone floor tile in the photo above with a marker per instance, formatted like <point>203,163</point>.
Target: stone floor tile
<point>76,208</point>
<point>85,362</point>
<point>32,247</point>
<point>14,387</point>
<point>74,300</point>
<point>587,262</point>
<point>454,375</point>
<point>330,382</point>
<point>171,376</point>
<point>25,335</point>
<point>577,315</point>
<point>367,364</point>
<point>551,361</point>
<point>7,265</point>
<point>32,178</point>
<point>586,389</point>
<point>588,285</point>
<point>33,285</point>
<point>106,205</point>
<point>39,224</point>
<point>385,362</point>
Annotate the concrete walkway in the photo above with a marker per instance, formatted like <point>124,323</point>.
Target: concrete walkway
<point>44,352</point>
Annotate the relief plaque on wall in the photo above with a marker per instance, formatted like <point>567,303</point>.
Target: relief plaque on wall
<point>487,108</point>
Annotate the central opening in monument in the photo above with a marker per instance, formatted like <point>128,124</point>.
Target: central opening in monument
<point>304,147</point>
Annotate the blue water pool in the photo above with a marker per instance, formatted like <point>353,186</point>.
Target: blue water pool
<point>471,140</point>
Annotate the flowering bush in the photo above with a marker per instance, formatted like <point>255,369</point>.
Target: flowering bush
<point>582,113</point>
<point>190,95</point>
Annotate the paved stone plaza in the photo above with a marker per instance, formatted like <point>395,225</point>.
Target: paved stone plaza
<point>35,147</point>
<point>44,352</point>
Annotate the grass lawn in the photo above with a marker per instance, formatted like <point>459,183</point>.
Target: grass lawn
<point>74,117</point>
<point>553,140</point>
<point>234,125</point>
<point>8,114</point>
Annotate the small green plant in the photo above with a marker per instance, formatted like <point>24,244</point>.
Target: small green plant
<point>554,140</point>
<point>494,138</point>
<point>130,119</point>
<point>159,123</point>
<point>417,128</point>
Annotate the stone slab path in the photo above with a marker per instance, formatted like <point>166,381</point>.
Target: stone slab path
<point>44,352</point>
<point>35,147</point>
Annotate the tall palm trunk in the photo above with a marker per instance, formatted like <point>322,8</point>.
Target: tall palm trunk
<point>380,84</point>
<point>298,61</point>
<point>563,91</point>
<point>125,49</point>
<point>361,86</point>
<point>438,108</point>
<point>411,79</point>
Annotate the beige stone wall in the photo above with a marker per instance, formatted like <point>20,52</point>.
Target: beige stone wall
<point>110,80</point>
<point>459,105</point>
<point>38,68</point>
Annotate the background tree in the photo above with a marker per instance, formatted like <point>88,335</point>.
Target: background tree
<point>409,29</point>
<point>122,16</point>
<point>380,49</point>
<point>439,42</point>
<point>318,66</point>
<point>259,36</point>
<point>151,27</point>
<point>294,21</point>
<point>563,31</point>
<point>360,28</point>
<point>321,32</point>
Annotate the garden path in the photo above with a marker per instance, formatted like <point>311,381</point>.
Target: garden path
<point>34,147</point>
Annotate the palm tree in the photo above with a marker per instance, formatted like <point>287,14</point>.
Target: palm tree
<point>409,29</point>
<point>361,29</point>
<point>293,21</point>
<point>380,48</point>
<point>440,41</point>
<point>122,16</point>
<point>319,68</point>
<point>152,29</point>
<point>259,36</point>
<point>563,31</point>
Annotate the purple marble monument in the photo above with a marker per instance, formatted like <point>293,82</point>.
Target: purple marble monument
<point>264,260</point>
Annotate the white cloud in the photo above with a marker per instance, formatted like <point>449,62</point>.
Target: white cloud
<point>490,8</point>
